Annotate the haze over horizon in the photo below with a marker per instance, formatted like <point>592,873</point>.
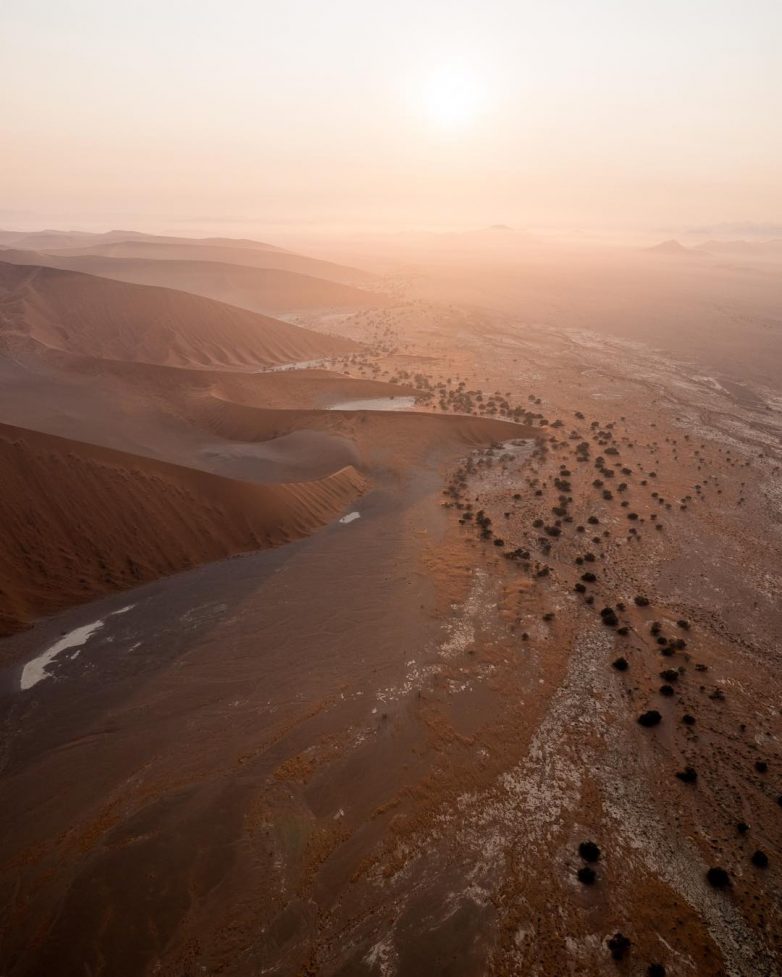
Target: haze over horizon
<point>602,115</point>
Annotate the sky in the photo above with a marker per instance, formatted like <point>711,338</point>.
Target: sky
<point>585,113</point>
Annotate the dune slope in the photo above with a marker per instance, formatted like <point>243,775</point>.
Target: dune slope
<point>80,521</point>
<point>227,252</point>
<point>257,289</point>
<point>97,317</point>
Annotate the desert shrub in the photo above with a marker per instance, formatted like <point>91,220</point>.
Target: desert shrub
<point>619,945</point>
<point>589,851</point>
<point>718,878</point>
<point>650,718</point>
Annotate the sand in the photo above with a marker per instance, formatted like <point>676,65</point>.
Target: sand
<point>80,521</point>
<point>71,312</point>
<point>377,748</point>
<point>270,290</point>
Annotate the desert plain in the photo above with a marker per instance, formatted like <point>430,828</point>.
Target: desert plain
<point>398,606</point>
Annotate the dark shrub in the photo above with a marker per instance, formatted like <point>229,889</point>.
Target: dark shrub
<point>589,851</point>
<point>718,878</point>
<point>619,945</point>
<point>650,718</point>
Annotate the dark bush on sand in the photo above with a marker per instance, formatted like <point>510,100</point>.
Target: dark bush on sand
<point>718,878</point>
<point>650,718</point>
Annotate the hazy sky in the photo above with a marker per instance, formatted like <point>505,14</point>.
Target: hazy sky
<point>564,112</point>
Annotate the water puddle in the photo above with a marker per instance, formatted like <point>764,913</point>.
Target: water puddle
<point>375,403</point>
<point>350,517</point>
<point>35,671</point>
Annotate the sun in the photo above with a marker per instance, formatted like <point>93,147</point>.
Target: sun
<point>452,97</point>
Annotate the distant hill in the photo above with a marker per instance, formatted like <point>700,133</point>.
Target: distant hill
<point>37,240</point>
<point>673,247</point>
<point>226,252</point>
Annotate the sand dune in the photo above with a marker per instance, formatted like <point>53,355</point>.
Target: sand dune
<point>111,320</point>
<point>387,439</point>
<point>77,239</point>
<point>226,252</point>
<point>79,521</point>
<point>257,289</point>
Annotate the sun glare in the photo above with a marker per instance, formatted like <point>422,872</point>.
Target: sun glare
<point>452,97</point>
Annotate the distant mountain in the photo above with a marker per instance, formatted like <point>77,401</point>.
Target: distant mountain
<point>673,247</point>
<point>38,240</point>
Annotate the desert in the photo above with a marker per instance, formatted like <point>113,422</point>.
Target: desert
<point>390,492</point>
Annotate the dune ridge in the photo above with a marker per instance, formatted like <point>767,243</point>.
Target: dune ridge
<point>223,251</point>
<point>256,289</point>
<point>392,439</point>
<point>81,521</point>
<point>97,317</point>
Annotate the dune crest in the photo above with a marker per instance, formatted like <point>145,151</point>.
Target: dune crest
<point>257,289</point>
<point>112,320</point>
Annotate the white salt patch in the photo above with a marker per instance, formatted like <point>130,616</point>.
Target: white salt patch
<point>375,403</point>
<point>350,517</point>
<point>34,671</point>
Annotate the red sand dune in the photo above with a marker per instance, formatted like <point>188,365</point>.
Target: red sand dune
<point>80,521</point>
<point>257,289</point>
<point>387,439</point>
<point>227,252</point>
<point>113,320</point>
